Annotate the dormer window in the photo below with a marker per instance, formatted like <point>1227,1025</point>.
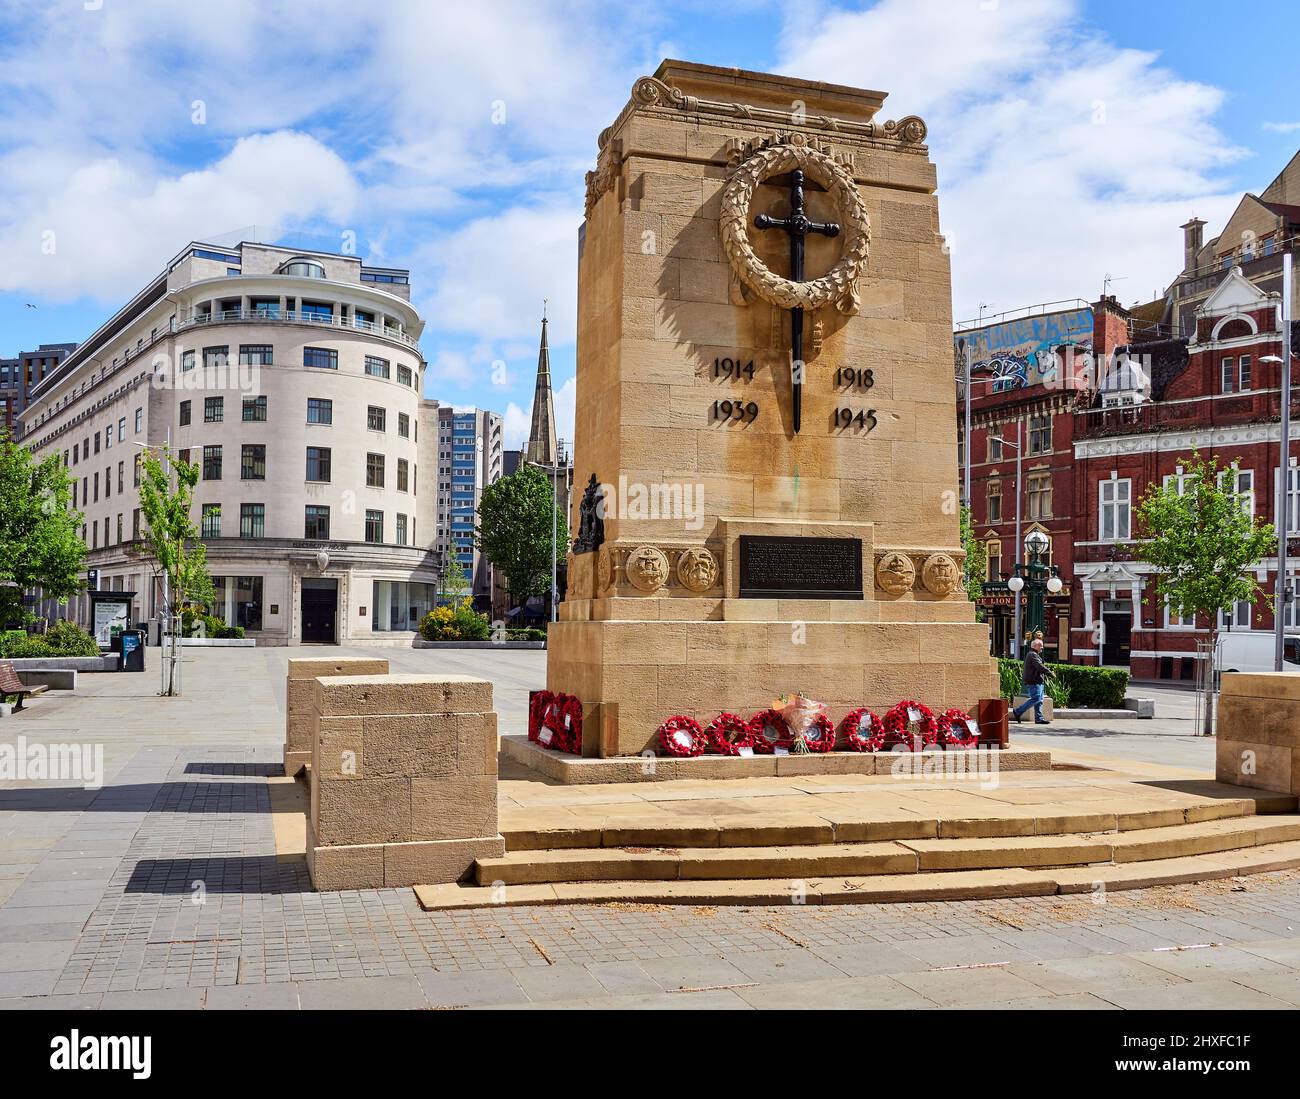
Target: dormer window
<point>303,268</point>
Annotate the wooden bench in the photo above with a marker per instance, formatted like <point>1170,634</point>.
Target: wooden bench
<point>10,684</point>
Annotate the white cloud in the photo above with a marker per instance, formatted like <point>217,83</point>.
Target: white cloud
<point>1061,156</point>
<point>489,278</point>
<point>115,222</point>
<point>515,426</point>
<point>1282,127</point>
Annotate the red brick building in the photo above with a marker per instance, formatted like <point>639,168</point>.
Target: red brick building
<point>1159,400</point>
<point>1029,369</point>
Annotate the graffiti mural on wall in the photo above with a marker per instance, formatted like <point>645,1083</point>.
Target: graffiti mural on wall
<point>1029,351</point>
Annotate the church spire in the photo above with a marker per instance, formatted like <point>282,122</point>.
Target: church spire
<point>542,443</point>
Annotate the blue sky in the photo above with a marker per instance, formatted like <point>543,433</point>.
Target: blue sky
<point>1072,138</point>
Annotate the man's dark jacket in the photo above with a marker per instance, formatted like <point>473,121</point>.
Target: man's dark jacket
<point>1036,670</point>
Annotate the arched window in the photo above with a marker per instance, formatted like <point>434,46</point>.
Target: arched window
<point>1235,329</point>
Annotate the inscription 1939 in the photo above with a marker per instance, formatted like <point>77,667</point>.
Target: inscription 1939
<point>800,568</point>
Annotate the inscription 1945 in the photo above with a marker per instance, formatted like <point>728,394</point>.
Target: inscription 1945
<point>800,568</point>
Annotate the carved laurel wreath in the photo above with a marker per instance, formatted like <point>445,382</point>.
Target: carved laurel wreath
<point>839,285</point>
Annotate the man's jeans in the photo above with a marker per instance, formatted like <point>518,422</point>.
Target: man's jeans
<point>1035,699</point>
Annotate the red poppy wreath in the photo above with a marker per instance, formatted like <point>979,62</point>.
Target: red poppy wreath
<point>682,736</point>
<point>729,733</point>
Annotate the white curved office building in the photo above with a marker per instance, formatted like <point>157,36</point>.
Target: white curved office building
<point>295,381</point>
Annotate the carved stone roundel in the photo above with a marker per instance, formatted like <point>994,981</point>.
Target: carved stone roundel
<point>895,573</point>
<point>647,568</point>
<point>839,285</point>
<point>940,574</point>
<point>697,569</point>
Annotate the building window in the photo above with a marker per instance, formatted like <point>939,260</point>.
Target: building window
<point>135,524</point>
<point>318,463</point>
<point>1115,496</point>
<point>993,551</point>
<point>96,483</point>
<point>121,430</point>
<point>1178,622</point>
<point>1040,434</point>
<point>252,520</point>
<point>247,599</point>
<point>324,358</point>
<point>187,360</point>
<point>320,410</point>
<point>185,413</point>
<point>377,368</point>
<point>317,522</point>
<point>212,463</point>
<point>214,410</point>
<point>252,462</point>
<point>1228,374</point>
<point>374,526</point>
<point>403,425</point>
<point>210,526</point>
<point>1242,485</point>
<point>402,475</point>
<point>399,605</point>
<point>401,529</point>
<point>96,442</point>
<point>1040,495</point>
<point>375,470</point>
<point>1243,373</point>
<point>255,354</point>
<point>1292,498</point>
<point>1238,618</point>
<point>121,477</point>
<point>216,356</point>
<point>316,311</point>
<point>995,502</point>
<point>995,448</point>
<point>255,410</point>
<point>376,419</point>
<point>404,375</point>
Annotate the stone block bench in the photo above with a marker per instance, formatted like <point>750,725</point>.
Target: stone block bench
<point>300,703</point>
<point>403,780</point>
<point>1258,731</point>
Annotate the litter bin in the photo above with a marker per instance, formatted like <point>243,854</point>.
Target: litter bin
<point>132,651</point>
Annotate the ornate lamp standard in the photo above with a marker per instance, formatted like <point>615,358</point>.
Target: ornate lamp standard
<point>1034,578</point>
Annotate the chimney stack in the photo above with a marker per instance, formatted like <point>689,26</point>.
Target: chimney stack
<point>1193,238</point>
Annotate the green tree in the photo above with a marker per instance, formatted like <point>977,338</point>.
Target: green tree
<point>977,558</point>
<point>170,537</point>
<point>39,541</point>
<point>455,585</point>
<point>1204,545</point>
<point>514,530</point>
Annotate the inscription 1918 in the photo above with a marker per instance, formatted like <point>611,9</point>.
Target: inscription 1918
<point>800,568</point>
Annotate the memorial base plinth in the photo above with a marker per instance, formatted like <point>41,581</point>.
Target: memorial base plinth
<point>633,675</point>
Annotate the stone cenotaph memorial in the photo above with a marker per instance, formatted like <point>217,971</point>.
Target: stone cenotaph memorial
<point>765,415</point>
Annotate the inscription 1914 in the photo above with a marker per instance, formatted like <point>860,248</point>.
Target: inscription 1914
<point>800,568</point>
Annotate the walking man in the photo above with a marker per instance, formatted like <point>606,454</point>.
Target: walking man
<point>1034,678</point>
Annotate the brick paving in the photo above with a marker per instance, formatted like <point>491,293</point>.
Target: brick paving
<point>163,889</point>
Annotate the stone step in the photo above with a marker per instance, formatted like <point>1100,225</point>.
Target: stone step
<point>937,886</point>
<point>903,856</point>
<point>863,825</point>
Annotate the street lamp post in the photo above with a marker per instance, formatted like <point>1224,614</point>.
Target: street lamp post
<point>1011,584</point>
<point>1283,473</point>
<point>1036,579</point>
<point>556,471</point>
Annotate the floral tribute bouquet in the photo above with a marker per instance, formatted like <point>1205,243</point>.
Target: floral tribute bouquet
<point>810,728</point>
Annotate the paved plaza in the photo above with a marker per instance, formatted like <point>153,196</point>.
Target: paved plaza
<point>165,889</point>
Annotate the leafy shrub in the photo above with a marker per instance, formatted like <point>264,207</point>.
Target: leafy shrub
<point>458,623</point>
<point>1074,685</point>
<point>61,639</point>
